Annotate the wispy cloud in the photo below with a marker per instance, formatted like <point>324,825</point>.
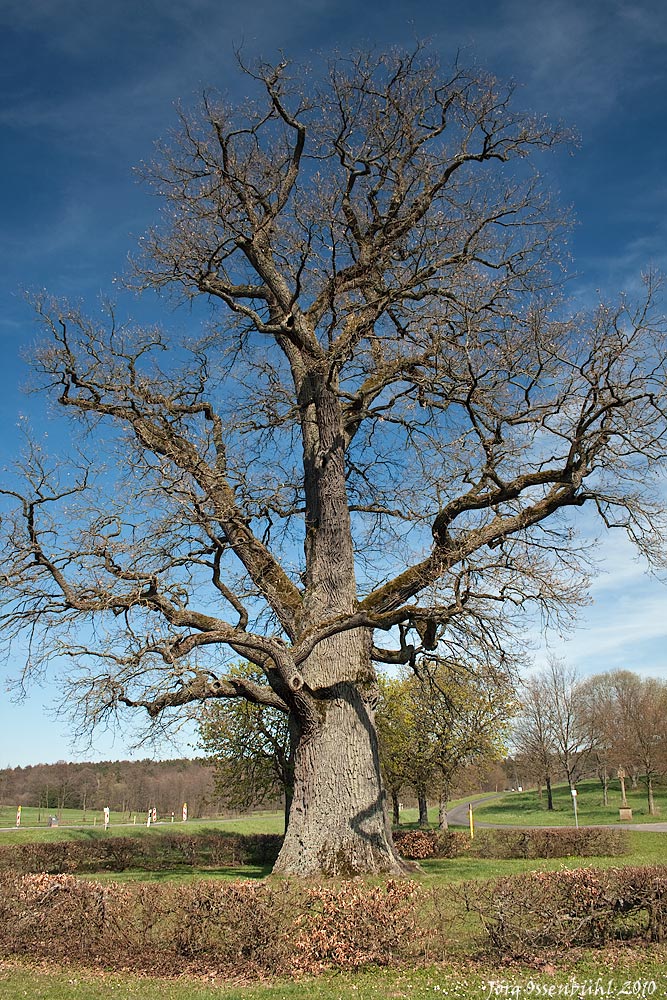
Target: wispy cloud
<point>574,57</point>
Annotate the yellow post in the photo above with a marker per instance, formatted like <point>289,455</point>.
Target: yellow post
<point>472,821</point>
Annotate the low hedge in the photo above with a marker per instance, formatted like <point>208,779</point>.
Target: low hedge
<point>250,928</point>
<point>216,849</point>
<point>527,915</point>
<point>559,842</point>
<point>585,842</point>
<point>417,845</point>
<point>236,928</point>
<point>150,853</point>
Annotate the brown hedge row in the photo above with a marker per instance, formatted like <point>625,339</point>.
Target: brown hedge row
<point>259,928</point>
<point>552,843</point>
<point>420,844</point>
<point>524,915</point>
<point>150,853</point>
<point>209,850</point>
<point>238,928</point>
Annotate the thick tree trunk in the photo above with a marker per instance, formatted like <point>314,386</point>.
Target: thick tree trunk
<point>338,823</point>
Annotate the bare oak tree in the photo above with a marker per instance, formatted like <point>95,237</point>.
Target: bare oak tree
<point>380,432</point>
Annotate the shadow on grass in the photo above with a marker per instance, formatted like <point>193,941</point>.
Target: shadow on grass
<point>183,874</point>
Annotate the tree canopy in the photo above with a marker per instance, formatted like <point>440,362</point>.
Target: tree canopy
<point>381,430</point>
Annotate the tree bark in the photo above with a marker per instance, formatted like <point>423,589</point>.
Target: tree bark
<point>442,813</point>
<point>396,808</point>
<point>338,823</point>
<point>651,801</point>
<point>423,807</point>
<point>550,797</point>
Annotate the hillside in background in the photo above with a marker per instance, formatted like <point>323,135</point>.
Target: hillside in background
<point>124,786</point>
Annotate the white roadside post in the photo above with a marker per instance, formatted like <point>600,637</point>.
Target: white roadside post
<point>574,803</point>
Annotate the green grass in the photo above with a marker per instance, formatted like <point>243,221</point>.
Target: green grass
<point>459,981</point>
<point>272,822</point>
<point>460,975</point>
<point>183,874</point>
<point>526,809</point>
<point>645,849</point>
<point>73,827</point>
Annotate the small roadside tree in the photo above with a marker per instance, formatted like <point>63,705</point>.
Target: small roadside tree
<point>574,734</point>
<point>533,736</point>
<point>434,724</point>
<point>642,733</point>
<point>393,739</point>
<point>250,747</point>
<point>602,710</point>
<point>381,432</point>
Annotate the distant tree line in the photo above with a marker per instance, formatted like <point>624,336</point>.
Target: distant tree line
<point>124,786</point>
<point>613,725</point>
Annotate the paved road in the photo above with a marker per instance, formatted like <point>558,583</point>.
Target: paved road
<point>459,817</point>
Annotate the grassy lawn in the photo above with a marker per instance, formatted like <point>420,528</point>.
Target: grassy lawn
<point>645,849</point>
<point>272,822</point>
<point>526,809</point>
<point>461,980</point>
<point>73,826</point>
<point>461,974</point>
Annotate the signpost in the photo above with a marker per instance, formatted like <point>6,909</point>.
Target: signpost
<point>574,803</point>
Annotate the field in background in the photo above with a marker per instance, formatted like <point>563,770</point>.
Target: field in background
<point>527,809</point>
<point>34,823</point>
<point>71,827</point>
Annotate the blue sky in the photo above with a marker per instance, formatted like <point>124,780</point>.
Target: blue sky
<point>87,87</point>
